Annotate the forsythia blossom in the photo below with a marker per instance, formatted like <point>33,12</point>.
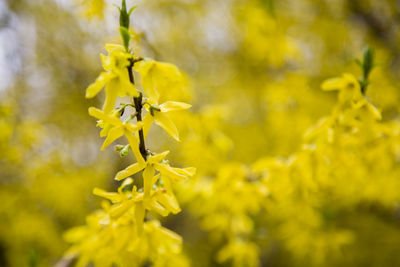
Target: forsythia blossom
<point>122,233</point>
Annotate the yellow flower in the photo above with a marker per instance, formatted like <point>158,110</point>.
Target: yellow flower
<point>161,80</point>
<point>348,86</point>
<point>106,127</point>
<point>350,93</point>
<point>154,163</point>
<point>119,129</point>
<point>160,200</point>
<point>157,79</point>
<point>115,78</point>
<point>113,196</point>
<point>159,114</point>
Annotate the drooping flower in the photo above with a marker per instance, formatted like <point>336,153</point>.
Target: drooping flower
<point>115,78</point>
<point>158,78</point>
<point>155,163</point>
<point>118,129</point>
<point>159,114</point>
<point>350,95</point>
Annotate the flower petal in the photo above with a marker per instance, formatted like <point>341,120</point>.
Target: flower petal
<point>101,115</point>
<point>133,127</point>
<point>128,171</point>
<point>189,171</point>
<point>134,143</point>
<point>157,158</point>
<point>145,69</point>
<point>106,62</point>
<point>167,170</point>
<point>113,134</point>
<point>112,196</point>
<point>128,87</point>
<point>147,121</point>
<point>112,48</point>
<point>168,201</point>
<point>119,209</point>
<point>375,112</point>
<point>174,106</point>
<point>157,207</point>
<point>112,89</point>
<point>139,217</point>
<point>165,122</point>
<point>337,83</point>
<point>100,82</point>
<point>148,175</point>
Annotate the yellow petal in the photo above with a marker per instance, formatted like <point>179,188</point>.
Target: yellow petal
<point>189,171</point>
<point>158,157</point>
<point>166,170</point>
<point>155,206</point>
<point>165,122</point>
<point>127,86</point>
<point>112,48</point>
<point>148,175</point>
<point>147,122</point>
<point>114,197</point>
<point>113,134</point>
<point>167,183</point>
<point>139,217</point>
<point>101,115</point>
<point>118,209</point>
<point>133,127</point>
<point>106,128</point>
<point>129,171</point>
<point>168,201</point>
<point>134,143</point>
<point>158,78</point>
<point>174,106</point>
<point>337,83</point>
<point>112,89</point>
<point>145,69</point>
<point>168,234</point>
<point>375,112</point>
<point>155,178</point>
<point>106,62</point>
<point>100,82</point>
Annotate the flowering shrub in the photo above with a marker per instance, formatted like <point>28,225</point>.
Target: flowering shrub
<point>285,174</point>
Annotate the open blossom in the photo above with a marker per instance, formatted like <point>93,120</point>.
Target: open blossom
<point>160,115</point>
<point>118,129</point>
<point>350,93</point>
<point>155,163</point>
<point>115,78</point>
<point>157,79</point>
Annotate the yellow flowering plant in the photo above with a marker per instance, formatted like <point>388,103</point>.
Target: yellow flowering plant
<point>349,156</point>
<point>287,174</point>
<point>123,232</point>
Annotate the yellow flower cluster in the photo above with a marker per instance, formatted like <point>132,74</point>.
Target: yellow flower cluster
<point>350,156</point>
<point>123,233</point>
<point>226,206</point>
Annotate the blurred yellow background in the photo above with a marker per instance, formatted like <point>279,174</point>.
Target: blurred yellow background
<point>264,195</point>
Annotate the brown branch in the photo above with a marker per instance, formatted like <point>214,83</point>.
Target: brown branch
<point>138,106</point>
